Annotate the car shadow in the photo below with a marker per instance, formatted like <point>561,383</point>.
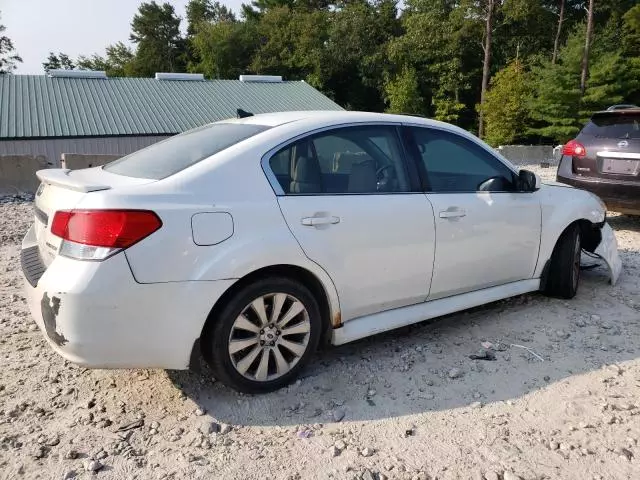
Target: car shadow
<point>624,222</point>
<point>426,367</point>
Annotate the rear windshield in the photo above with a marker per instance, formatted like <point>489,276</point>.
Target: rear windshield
<point>625,125</point>
<point>174,154</point>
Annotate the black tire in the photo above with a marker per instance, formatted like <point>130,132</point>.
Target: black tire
<point>564,270</point>
<point>217,335</point>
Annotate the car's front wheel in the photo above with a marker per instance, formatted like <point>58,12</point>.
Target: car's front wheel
<point>263,336</point>
<point>564,270</point>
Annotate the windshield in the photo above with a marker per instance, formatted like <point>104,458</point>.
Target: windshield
<point>174,154</point>
<point>625,125</point>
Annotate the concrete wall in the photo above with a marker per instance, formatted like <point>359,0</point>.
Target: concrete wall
<point>74,161</point>
<point>53,148</point>
<point>18,173</point>
<point>528,154</point>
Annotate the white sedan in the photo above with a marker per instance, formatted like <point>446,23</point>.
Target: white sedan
<point>251,241</point>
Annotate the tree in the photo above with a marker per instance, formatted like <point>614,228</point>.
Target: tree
<point>291,43</point>
<point>224,49</point>
<point>206,11</point>
<point>555,103</point>
<point>587,46</point>
<point>631,32</point>
<point>117,63</point>
<point>156,33</point>
<point>486,63</point>
<point>354,55</point>
<point>556,43</point>
<point>8,57</point>
<point>447,59</point>
<point>402,94</point>
<point>506,108</point>
<point>59,61</point>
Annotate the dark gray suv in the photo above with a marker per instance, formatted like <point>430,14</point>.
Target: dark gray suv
<point>605,159</point>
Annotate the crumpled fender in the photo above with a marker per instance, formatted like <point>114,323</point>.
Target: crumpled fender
<point>608,251</point>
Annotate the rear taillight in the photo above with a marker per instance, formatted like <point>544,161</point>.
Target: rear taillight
<point>573,148</point>
<point>97,234</point>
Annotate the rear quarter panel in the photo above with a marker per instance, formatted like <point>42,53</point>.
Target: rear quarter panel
<point>233,183</point>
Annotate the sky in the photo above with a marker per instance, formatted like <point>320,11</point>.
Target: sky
<point>74,27</point>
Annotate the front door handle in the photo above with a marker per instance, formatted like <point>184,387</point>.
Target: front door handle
<point>453,213</point>
<point>315,221</point>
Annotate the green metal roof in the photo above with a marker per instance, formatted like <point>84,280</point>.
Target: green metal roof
<point>41,106</point>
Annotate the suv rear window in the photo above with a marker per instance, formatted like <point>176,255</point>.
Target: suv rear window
<point>614,125</point>
<point>174,154</point>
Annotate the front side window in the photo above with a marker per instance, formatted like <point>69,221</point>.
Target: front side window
<point>456,164</point>
<point>347,160</point>
<point>174,154</point>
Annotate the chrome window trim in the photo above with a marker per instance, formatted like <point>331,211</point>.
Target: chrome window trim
<point>275,184</point>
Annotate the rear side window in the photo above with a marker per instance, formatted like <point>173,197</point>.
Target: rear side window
<point>347,160</point>
<point>174,154</point>
<point>622,125</point>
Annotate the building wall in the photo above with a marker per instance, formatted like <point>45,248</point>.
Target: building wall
<point>52,149</point>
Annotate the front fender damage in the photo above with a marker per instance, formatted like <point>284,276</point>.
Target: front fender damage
<point>50,308</point>
<point>607,250</point>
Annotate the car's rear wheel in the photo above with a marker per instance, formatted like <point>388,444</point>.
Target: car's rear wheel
<point>564,271</point>
<point>263,336</point>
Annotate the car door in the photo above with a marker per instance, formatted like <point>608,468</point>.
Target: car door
<point>349,200</point>
<point>487,232</point>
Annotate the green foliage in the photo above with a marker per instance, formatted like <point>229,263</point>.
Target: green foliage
<point>631,32</point>
<point>155,30</point>
<point>206,11</point>
<point>59,61</point>
<point>557,108</point>
<point>402,93</point>
<point>291,44</point>
<point>427,59</point>
<point>555,103</point>
<point>225,49</point>
<point>8,57</point>
<point>353,57</point>
<point>117,63</point>
<point>506,109</point>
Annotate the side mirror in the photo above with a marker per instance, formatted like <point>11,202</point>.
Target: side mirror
<point>528,181</point>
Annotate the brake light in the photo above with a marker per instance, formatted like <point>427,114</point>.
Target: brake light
<point>97,234</point>
<point>573,148</point>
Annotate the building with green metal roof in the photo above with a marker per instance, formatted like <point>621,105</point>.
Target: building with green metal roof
<point>89,113</point>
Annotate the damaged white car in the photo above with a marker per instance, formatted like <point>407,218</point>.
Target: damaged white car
<point>251,241</point>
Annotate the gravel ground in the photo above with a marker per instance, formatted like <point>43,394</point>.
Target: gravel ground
<point>560,400</point>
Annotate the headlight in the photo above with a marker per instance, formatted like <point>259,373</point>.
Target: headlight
<point>603,207</point>
<point>600,202</point>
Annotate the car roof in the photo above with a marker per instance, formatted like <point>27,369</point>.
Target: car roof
<point>327,117</point>
<point>618,111</point>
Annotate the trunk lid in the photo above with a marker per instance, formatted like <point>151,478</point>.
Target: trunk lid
<point>612,143</point>
<point>62,189</point>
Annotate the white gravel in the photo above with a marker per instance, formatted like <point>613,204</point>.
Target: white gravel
<point>575,415</point>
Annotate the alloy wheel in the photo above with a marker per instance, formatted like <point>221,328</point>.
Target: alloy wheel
<point>269,337</point>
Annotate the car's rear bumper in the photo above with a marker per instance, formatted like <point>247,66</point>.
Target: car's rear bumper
<point>619,196</point>
<point>95,314</point>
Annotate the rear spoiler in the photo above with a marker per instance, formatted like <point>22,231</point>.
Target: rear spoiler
<point>60,178</point>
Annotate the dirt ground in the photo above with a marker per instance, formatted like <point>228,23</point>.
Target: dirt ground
<point>560,401</point>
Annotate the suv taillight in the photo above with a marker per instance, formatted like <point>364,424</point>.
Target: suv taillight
<point>573,148</point>
<point>98,234</point>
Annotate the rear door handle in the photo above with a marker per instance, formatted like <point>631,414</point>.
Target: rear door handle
<point>315,221</point>
<point>453,213</point>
